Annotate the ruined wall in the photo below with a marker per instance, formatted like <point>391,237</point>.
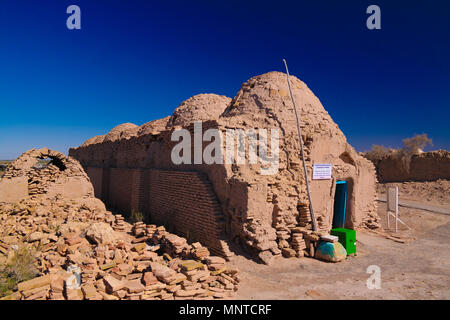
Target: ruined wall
<point>63,176</point>
<point>259,210</point>
<point>428,166</point>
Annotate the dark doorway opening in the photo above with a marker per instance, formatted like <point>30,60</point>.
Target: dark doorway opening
<point>43,163</point>
<point>340,204</point>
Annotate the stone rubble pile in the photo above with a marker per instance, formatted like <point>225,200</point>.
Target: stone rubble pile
<point>85,252</point>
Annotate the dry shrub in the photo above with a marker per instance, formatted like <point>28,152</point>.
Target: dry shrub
<point>411,146</point>
<point>21,267</point>
<point>416,144</point>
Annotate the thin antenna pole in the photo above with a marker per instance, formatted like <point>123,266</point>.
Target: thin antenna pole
<point>311,212</point>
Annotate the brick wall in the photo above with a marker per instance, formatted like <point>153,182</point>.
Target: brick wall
<point>120,189</point>
<point>186,202</point>
<point>182,201</point>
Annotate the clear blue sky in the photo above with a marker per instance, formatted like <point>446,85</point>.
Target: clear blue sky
<point>135,61</point>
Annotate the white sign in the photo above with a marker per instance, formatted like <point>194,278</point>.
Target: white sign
<point>392,199</point>
<point>322,171</point>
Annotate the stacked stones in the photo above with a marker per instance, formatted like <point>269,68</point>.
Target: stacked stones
<point>79,256</point>
<point>297,242</point>
<point>304,216</point>
<point>40,178</point>
<point>120,224</point>
<point>261,240</point>
<point>311,240</point>
<point>303,242</point>
<point>321,225</point>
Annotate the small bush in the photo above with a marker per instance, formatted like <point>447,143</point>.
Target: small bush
<point>20,268</point>
<point>136,216</point>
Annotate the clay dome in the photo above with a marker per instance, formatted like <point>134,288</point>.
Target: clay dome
<point>153,126</point>
<point>264,101</point>
<point>93,140</point>
<point>122,131</point>
<point>201,107</point>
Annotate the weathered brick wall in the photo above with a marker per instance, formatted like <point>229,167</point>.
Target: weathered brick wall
<point>429,166</point>
<point>186,202</point>
<point>182,201</point>
<point>120,189</point>
<point>138,188</point>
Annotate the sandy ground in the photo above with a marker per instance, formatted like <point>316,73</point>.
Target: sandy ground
<point>417,269</point>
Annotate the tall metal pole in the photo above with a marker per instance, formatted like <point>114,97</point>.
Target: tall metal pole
<point>311,212</point>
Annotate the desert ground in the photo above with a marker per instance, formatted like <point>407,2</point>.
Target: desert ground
<point>419,268</point>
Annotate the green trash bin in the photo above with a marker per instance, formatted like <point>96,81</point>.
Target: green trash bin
<point>347,237</point>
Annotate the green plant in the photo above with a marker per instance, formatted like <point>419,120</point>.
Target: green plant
<point>136,216</point>
<point>20,267</point>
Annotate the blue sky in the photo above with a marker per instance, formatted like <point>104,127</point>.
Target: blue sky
<point>135,61</point>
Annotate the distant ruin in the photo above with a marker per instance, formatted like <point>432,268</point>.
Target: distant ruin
<point>219,204</point>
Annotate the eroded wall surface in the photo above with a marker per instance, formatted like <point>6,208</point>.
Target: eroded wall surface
<point>428,166</point>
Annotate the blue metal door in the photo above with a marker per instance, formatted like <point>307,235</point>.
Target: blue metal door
<point>340,204</point>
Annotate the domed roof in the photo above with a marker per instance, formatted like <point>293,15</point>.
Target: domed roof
<point>122,131</point>
<point>153,126</point>
<point>201,107</point>
<point>264,102</point>
<point>93,140</point>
